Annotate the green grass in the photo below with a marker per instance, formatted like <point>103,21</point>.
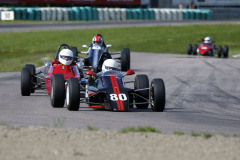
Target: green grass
<point>178,133</point>
<point>207,135</point>
<point>140,129</point>
<point>4,124</point>
<point>90,128</point>
<point>19,48</point>
<point>194,134</point>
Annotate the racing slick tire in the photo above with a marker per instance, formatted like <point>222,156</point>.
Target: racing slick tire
<point>33,79</point>
<point>225,52</point>
<point>219,50</point>
<point>75,53</point>
<point>125,59</point>
<point>57,95</point>
<point>141,81</point>
<point>73,94</point>
<point>157,93</point>
<point>26,82</point>
<point>194,49</point>
<point>210,53</point>
<point>189,50</point>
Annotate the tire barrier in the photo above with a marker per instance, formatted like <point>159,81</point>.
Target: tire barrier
<point>108,14</point>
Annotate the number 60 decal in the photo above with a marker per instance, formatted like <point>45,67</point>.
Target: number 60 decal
<point>115,97</point>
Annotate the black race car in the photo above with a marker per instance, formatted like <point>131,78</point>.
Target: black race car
<point>97,54</point>
<point>110,93</point>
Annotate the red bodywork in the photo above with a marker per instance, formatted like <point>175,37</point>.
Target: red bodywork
<point>204,48</point>
<point>68,71</point>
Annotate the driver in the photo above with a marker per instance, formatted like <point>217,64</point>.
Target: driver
<point>108,65</point>
<point>208,41</point>
<point>66,56</point>
<point>98,39</point>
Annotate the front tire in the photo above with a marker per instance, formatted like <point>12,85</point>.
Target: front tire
<point>210,53</point>
<point>32,69</point>
<point>195,46</point>
<point>57,95</point>
<point>73,94</point>
<point>189,51</point>
<point>26,82</point>
<point>220,50</point>
<point>141,81</point>
<point>125,59</point>
<point>225,52</point>
<point>157,92</point>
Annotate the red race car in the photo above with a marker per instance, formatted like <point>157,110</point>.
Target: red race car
<point>208,48</point>
<point>63,65</point>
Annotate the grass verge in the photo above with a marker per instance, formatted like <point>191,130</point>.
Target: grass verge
<point>140,129</point>
<point>35,47</point>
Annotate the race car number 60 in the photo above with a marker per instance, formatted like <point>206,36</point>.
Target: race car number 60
<point>115,97</point>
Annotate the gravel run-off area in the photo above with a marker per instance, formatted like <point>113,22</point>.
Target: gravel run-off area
<point>23,143</point>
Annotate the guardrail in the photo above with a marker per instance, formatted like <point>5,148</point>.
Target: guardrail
<point>108,14</point>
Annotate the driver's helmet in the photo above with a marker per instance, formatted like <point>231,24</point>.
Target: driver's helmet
<point>66,56</point>
<point>207,40</point>
<point>97,40</point>
<point>109,64</point>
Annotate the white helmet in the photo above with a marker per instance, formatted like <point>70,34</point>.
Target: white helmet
<point>109,64</point>
<point>66,56</point>
<point>207,40</point>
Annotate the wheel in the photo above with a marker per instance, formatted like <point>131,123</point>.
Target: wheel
<point>73,94</point>
<point>141,81</point>
<point>210,53</point>
<point>195,46</point>
<point>33,72</point>
<point>57,95</point>
<point>75,53</point>
<point>157,92</point>
<point>189,49</point>
<point>225,52</point>
<point>125,59</point>
<point>26,82</point>
<point>219,50</point>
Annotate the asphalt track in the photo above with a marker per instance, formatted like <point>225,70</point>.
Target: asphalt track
<point>202,95</point>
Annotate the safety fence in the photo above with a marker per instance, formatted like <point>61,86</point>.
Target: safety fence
<point>107,14</point>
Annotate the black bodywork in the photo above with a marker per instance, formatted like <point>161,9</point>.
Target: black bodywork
<point>111,93</point>
<point>96,56</point>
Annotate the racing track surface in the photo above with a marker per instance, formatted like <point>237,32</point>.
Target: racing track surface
<point>202,95</point>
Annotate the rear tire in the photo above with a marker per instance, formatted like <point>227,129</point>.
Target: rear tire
<point>157,92</point>
<point>26,82</point>
<point>75,53</point>
<point>195,46</point>
<point>220,50</point>
<point>141,81</point>
<point>189,51</point>
<point>33,79</point>
<point>225,51</point>
<point>73,94</point>
<point>57,95</point>
<point>125,59</point>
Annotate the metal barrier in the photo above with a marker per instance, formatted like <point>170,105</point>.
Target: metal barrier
<point>108,14</point>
